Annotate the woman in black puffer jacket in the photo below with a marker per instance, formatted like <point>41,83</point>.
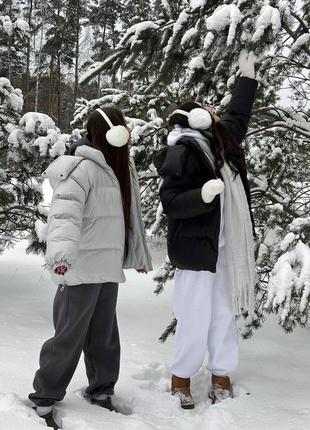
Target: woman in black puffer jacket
<point>206,196</point>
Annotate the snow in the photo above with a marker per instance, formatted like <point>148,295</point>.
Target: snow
<point>274,366</point>
<point>41,230</point>
<point>54,142</point>
<point>284,9</point>
<point>61,143</point>
<point>177,27</point>
<point>262,183</point>
<point>158,219</point>
<point>208,40</point>
<point>22,25</point>
<point>303,257</point>
<point>196,63</point>
<point>277,207</point>
<point>224,16</point>
<point>194,4</point>
<point>36,122</point>
<point>10,97</point>
<point>299,223</point>
<point>136,30</point>
<point>16,137</point>
<point>15,99</point>
<point>90,70</point>
<point>291,271</point>
<point>86,76</point>
<point>289,118</point>
<point>189,35</point>
<point>4,82</point>
<point>7,25</point>
<point>42,142</point>
<point>288,239</point>
<point>276,152</point>
<point>272,236</point>
<point>86,106</point>
<point>304,39</point>
<point>269,16</point>
<point>225,100</point>
<point>231,81</point>
<point>282,279</point>
<point>305,297</point>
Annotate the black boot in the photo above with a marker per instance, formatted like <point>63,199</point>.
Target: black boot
<point>50,422</point>
<point>104,403</point>
<point>49,419</point>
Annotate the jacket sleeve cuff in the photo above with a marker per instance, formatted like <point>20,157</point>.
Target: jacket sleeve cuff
<point>52,266</point>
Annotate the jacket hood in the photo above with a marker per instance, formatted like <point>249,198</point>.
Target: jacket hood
<point>90,153</point>
<point>61,168</point>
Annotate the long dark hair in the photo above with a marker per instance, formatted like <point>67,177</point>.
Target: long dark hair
<point>223,146</point>
<point>117,158</point>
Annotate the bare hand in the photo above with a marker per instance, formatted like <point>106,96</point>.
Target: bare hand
<point>60,270</point>
<point>141,270</point>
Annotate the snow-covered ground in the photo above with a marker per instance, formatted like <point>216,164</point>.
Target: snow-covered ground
<point>275,367</point>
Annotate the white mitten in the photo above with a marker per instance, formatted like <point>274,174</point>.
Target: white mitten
<point>246,63</point>
<point>211,189</point>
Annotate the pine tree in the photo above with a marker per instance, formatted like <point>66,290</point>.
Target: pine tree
<point>103,17</point>
<point>28,144</point>
<point>194,54</point>
<point>14,33</point>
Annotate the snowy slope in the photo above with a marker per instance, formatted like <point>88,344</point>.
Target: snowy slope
<point>275,367</point>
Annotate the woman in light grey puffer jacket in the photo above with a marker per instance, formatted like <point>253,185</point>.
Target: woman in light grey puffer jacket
<point>94,231</point>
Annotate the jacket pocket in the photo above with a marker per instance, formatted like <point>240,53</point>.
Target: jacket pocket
<point>201,227</point>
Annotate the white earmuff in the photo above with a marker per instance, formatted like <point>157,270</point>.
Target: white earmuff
<point>118,135</point>
<point>198,118</point>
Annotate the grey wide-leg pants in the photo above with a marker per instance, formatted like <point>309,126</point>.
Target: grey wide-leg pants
<point>84,320</point>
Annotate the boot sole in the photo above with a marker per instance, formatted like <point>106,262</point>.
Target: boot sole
<point>188,407</point>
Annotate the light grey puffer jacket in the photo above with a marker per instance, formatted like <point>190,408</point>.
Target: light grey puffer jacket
<point>85,227</point>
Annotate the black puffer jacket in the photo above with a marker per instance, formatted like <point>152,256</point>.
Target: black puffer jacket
<point>193,226</point>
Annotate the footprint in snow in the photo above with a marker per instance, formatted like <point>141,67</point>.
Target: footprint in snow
<point>120,404</point>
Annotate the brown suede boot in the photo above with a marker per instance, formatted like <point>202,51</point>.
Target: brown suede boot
<point>221,388</point>
<point>180,387</point>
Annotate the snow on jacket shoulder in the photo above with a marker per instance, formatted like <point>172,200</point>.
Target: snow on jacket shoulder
<point>85,228</point>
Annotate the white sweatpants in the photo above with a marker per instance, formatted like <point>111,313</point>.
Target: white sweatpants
<point>206,322</point>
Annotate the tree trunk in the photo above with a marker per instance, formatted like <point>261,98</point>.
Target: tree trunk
<point>39,56</point>
<point>51,87</point>
<point>9,49</point>
<point>59,91</point>
<point>27,76</point>
<point>77,51</point>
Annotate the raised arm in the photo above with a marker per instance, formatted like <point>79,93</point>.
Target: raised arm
<point>237,116</point>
